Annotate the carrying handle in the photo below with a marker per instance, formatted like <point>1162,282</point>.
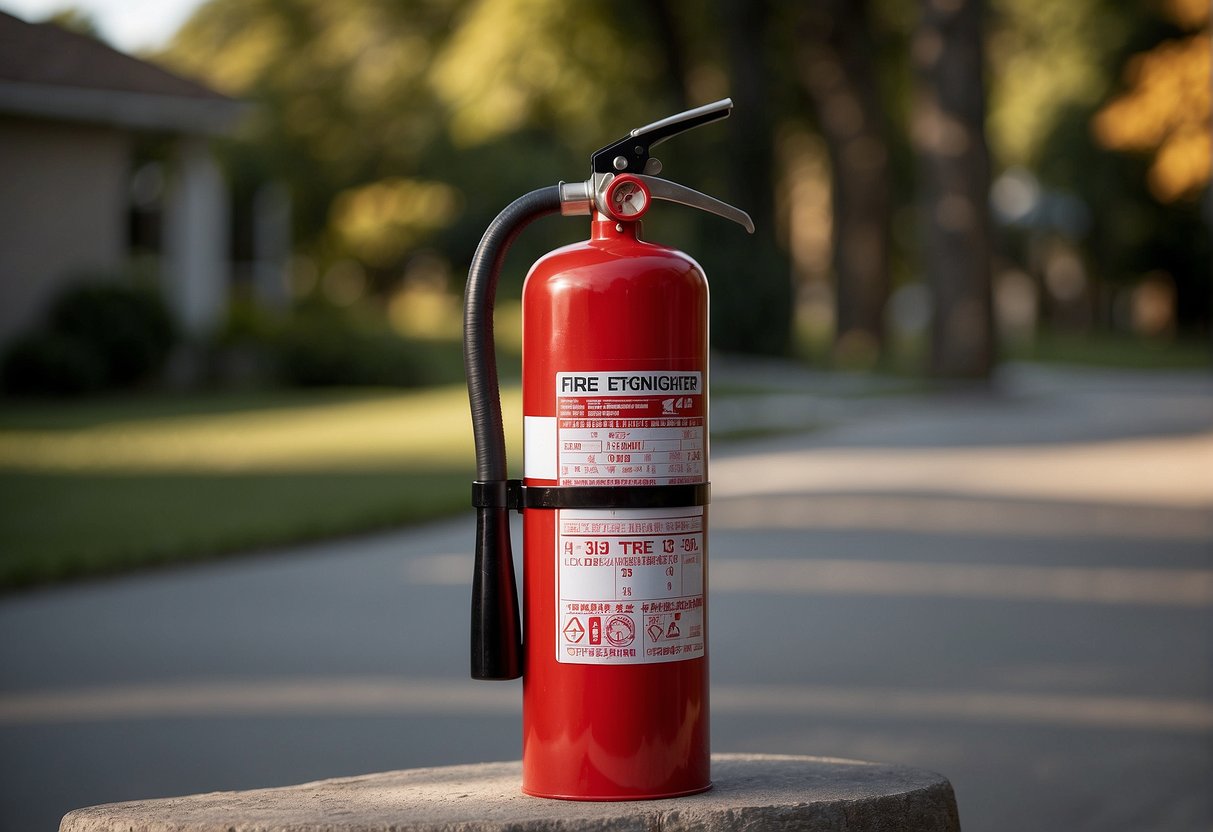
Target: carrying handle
<point>630,158</point>
<point>631,153</point>
<point>669,191</point>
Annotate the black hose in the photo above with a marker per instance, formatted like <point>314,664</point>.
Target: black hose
<point>479,354</point>
<point>496,634</point>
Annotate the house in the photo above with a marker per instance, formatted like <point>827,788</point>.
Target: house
<point>72,112</point>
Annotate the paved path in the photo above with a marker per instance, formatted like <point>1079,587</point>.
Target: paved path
<point>1014,588</point>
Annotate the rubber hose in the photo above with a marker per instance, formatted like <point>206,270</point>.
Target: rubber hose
<point>496,636</point>
<point>479,352</point>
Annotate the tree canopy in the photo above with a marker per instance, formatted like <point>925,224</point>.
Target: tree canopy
<point>402,126</point>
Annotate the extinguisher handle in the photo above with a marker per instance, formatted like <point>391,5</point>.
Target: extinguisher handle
<point>630,157</point>
<point>662,129</point>
<point>669,191</point>
<point>631,153</point>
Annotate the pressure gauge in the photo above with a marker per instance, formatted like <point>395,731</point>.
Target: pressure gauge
<point>627,198</point>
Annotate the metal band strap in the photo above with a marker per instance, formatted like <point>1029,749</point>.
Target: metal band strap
<point>512,494</point>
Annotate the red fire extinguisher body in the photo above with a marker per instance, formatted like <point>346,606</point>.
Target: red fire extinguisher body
<point>615,691</point>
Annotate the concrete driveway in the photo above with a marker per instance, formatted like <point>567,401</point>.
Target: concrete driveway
<point>1014,588</point>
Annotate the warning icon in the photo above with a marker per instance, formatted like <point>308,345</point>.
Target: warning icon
<point>574,631</point>
<point>654,630</point>
<point>620,631</point>
<point>673,631</point>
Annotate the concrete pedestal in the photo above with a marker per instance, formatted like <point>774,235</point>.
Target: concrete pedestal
<point>750,792</point>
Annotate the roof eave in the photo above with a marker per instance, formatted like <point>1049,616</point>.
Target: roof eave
<point>131,110</point>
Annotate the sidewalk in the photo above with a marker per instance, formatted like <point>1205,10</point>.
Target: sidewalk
<point>1013,587</point>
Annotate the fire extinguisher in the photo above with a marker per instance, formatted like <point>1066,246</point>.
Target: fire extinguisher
<point>613,647</point>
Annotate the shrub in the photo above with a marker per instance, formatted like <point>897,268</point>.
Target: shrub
<point>317,344</point>
<point>316,348</point>
<point>129,328</point>
<point>51,363</point>
<point>97,336</point>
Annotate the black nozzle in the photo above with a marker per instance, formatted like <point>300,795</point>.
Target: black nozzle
<point>496,634</point>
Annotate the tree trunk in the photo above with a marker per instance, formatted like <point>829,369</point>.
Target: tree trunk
<point>954,183</point>
<point>836,70</point>
<point>752,296</point>
<point>670,48</point>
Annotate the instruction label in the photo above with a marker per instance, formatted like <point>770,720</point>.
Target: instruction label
<point>642,428</point>
<point>630,582</point>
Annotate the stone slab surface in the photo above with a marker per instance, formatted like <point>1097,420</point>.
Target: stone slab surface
<point>750,792</point>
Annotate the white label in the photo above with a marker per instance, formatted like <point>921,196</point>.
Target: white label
<point>643,428</point>
<point>539,447</point>
<point>629,586</point>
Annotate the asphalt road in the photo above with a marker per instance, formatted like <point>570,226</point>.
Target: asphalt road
<point>1013,588</point>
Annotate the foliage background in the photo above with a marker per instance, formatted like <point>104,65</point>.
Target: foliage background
<point>400,128</point>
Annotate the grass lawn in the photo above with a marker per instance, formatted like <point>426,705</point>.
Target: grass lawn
<point>102,486</point>
<point>1116,351</point>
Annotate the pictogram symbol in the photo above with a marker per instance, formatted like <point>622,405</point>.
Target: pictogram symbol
<point>673,631</point>
<point>573,631</point>
<point>620,631</point>
<point>654,630</point>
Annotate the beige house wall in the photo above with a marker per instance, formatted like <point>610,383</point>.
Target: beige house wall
<point>63,211</point>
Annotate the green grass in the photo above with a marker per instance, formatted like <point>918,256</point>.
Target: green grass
<point>59,526</point>
<point>1114,351</point>
<point>908,356</point>
<point>111,485</point>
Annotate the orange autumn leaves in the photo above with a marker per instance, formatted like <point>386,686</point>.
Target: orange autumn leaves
<point>1165,108</point>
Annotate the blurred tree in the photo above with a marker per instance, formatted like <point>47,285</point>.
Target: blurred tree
<point>529,89</point>
<point>1166,109</point>
<point>589,96</point>
<point>836,65</point>
<point>1049,67</point>
<point>76,19</point>
<point>949,137</point>
<point>384,116</point>
<point>545,64</point>
<point>1163,114</point>
<point>342,102</point>
<point>1053,68</point>
<point>387,117</point>
<point>752,288</point>
<point>671,51</point>
<point>403,126</point>
<point>752,294</point>
<point>1045,59</point>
